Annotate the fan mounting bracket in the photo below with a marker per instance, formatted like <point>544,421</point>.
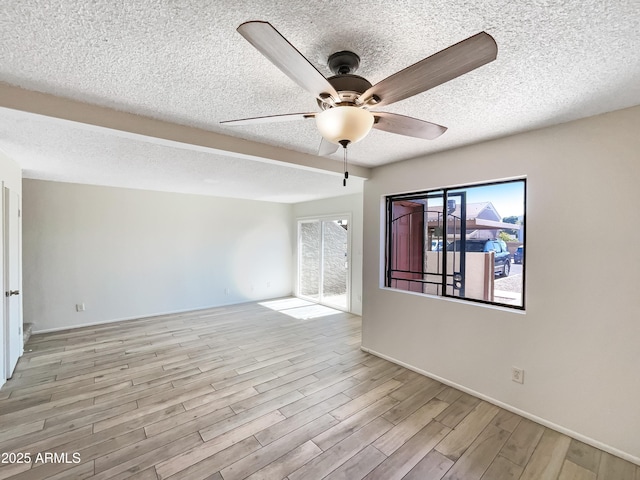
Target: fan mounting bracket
<point>343,63</point>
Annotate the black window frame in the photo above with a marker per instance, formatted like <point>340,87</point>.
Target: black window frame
<point>425,194</point>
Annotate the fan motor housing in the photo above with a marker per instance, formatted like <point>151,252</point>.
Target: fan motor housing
<point>349,87</point>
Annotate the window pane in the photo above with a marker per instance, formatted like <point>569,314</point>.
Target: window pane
<point>436,239</point>
<point>488,232</point>
<point>407,236</point>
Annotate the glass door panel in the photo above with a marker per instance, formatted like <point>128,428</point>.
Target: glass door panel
<point>323,261</point>
<point>335,265</point>
<point>309,260</point>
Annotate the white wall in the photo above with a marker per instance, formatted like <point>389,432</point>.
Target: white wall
<point>11,175</point>
<point>351,204</point>
<point>579,339</point>
<point>130,253</point>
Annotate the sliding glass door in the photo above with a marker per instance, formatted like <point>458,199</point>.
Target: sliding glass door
<point>323,261</point>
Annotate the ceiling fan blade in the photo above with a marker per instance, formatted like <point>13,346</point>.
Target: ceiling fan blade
<point>268,41</point>
<point>327,148</point>
<point>437,69</point>
<point>409,126</point>
<point>287,117</point>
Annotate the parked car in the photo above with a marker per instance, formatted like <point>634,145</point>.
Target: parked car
<point>518,255</point>
<point>502,257</point>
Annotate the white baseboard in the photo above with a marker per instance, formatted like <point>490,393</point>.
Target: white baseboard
<point>136,317</point>
<point>517,411</point>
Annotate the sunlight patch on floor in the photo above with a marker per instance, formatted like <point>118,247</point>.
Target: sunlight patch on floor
<point>299,309</point>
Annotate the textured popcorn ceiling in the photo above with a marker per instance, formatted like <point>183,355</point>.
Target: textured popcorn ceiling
<point>183,62</point>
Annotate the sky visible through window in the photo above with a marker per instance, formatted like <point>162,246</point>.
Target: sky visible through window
<point>507,198</point>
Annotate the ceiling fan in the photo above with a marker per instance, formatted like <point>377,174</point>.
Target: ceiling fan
<point>348,102</point>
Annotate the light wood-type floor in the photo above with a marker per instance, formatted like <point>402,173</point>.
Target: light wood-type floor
<point>252,392</point>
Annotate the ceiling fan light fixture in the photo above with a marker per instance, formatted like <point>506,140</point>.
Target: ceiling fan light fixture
<point>342,123</point>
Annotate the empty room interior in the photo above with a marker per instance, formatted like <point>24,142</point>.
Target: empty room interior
<point>320,240</point>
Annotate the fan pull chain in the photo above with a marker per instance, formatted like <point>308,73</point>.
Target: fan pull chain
<point>344,144</point>
<point>346,174</point>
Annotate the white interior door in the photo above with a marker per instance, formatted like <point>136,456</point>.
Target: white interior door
<point>12,281</point>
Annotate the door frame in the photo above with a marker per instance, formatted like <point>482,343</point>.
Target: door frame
<point>4,324</point>
<point>320,219</point>
<point>8,259</point>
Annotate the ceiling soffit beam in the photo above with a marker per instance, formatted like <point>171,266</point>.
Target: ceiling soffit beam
<point>167,133</point>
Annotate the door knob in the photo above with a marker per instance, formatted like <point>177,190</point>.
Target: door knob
<point>12,292</point>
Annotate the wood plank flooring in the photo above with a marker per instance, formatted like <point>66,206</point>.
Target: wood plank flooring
<point>253,392</point>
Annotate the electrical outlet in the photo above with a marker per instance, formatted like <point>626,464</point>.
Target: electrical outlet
<point>517,374</point>
<point>226,291</point>
<point>79,307</point>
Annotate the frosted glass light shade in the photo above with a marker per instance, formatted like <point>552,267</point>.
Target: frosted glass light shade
<point>344,123</point>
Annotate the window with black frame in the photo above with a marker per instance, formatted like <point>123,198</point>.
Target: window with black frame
<point>465,242</point>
